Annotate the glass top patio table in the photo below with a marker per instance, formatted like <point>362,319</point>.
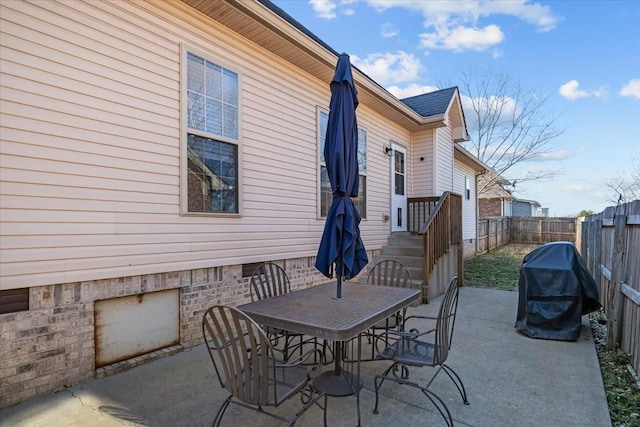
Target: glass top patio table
<point>317,312</point>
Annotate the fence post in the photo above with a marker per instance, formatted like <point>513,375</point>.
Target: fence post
<point>597,253</point>
<point>614,316</point>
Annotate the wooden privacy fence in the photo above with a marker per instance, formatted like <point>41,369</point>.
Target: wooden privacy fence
<point>611,249</point>
<point>494,232</point>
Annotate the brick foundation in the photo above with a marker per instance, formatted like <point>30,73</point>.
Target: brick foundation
<point>51,346</point>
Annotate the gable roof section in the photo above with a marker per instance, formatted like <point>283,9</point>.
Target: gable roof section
<point>490,186</point>
<point>268,26</point>
<point>432,103</point>
<point>445,104</point>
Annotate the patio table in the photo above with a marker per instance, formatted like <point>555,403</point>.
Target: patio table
<point>317,312</point>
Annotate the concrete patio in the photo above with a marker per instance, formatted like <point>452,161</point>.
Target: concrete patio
<point>511,380</point>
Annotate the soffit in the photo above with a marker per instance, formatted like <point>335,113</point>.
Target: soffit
<point>265,28</point>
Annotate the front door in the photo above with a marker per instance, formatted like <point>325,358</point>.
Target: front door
<point>398,188</point>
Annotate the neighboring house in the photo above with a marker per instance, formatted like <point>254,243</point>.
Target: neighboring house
<point>153,152</point>
<point>494,198</point>
<point>522,207</point>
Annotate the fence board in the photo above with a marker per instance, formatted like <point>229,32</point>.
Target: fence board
<point>599,251</point>
<point>494,232</point>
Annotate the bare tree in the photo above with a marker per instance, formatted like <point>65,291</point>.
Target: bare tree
<point>508,124</point>
<point>626,188</point>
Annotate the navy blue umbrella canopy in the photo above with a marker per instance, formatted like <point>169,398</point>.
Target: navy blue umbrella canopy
<point>341,244</point>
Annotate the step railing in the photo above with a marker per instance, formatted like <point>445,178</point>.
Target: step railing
<point>440,231</point>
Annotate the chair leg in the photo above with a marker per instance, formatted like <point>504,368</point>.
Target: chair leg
<point>457,381</point>
<point>439,404</point>
<point>377,385</point>
<point>402,379</point>
<point>325,410</point>
<point>218,418</point>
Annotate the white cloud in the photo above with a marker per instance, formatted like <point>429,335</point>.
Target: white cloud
<point>631,89</point>
<point>570,90</point>
<point>454,25</point>
<point>505,107</point>
<point>411,90</point>
<point>601,92</point>
<point>324,8</point>
<point>460,38</point>
<point>551,156</point>
<point>388,30</point>
<point>389,68</point>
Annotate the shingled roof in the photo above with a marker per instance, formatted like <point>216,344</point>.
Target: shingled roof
<point>432,103</point>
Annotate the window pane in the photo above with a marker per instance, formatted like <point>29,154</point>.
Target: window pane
<point>214,81</point>
<point>362,151</point>
<point>361,200</point>
<point>212,182</point>
<point>195,73</point>
<point>324,119</point>
<point>230,124</point>
<point>212,93</point>
<point>214,116</point>
<point>195,111</point>
<point>230,86</point>
<point>399,184</point>
<point>325,192</point>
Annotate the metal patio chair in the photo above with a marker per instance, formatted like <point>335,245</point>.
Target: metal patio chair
<point>270,280</point>
<point>414,349</point>
<point>388,273</point>
<point>245,363</point>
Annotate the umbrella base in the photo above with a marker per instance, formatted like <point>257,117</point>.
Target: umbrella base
<point>332,384</point>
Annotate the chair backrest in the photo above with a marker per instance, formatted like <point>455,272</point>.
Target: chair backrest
<point>244,355</point>
<point>446,321</point>
<point>389,273</point>
<point>269,280</point>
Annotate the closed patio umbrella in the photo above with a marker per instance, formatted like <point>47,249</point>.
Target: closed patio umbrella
<point>341,244</point>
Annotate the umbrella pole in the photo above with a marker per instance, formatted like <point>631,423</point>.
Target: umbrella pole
<point>339,287</point>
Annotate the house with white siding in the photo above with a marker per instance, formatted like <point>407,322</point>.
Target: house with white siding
<point>153,152</point>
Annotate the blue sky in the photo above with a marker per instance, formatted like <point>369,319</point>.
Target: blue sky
<point>583,55</point>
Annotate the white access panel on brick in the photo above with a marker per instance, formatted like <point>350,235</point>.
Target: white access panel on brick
<point>129,326</point>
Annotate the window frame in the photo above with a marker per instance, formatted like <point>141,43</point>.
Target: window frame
<point>185,131</point>
<point>320,159</point>
<point>467,188</point>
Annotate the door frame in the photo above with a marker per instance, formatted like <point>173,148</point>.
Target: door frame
<point>398,214</point>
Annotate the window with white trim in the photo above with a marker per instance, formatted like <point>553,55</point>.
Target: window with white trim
<point>326,195</point>
<point>467,188</point>
<point>212,122</point>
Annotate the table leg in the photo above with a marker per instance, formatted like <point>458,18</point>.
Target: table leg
<point>339,382</point>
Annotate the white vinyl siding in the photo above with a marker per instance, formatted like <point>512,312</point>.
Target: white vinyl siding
<point>443,161</point>
<point>424,169</point>
<point>469,214</point>
<point>91,147</point>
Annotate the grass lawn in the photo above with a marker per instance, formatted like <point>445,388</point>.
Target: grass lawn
<point>500,269</point>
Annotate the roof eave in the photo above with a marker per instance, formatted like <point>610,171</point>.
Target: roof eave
<point>252,18</point>
<point>469,159</point>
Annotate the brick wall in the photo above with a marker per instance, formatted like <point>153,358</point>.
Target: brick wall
<point>51,345</point>
<point>489,207</point>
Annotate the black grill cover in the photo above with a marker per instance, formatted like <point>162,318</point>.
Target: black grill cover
<point>556,290</point>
